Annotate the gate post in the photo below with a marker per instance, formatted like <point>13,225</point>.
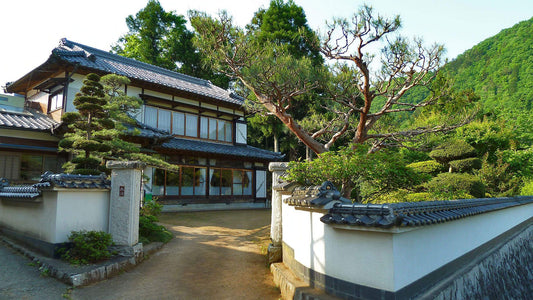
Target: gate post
<point>275,248</point>
<point>124,202</point>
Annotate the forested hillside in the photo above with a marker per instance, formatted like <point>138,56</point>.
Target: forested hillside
<point>499,69</point>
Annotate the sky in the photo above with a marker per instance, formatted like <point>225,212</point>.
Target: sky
<point>30,29</point>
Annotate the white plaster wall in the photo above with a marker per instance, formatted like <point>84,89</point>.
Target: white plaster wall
<point>364,257</point>
<point>418,253</point>
<point>389,259</point>
<point>58,214</point>
<point>36,220</point>
<point>87,210</point>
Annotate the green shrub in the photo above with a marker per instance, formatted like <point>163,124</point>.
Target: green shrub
<point>527,189</point>
<point>465,165</point>
<point>452,150</point>
<point>87,247</point>
<point>498,178</point>
<point>427,167</point>
<point>150,231</point>
<point>417,197</point>
<point>456,184</point>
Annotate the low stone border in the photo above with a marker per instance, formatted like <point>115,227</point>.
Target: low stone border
<point>87,274</point>
<point>292,287</point>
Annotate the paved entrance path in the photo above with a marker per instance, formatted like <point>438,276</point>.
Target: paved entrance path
<point>20,278</point>
<point>215,255</point>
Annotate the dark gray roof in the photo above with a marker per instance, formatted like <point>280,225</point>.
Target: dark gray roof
<point>50,180</point>
<point>145,131</point>
<point>207,148</point>
<point>29,119</point>
<point>416,213</point>
<point>96,59</point>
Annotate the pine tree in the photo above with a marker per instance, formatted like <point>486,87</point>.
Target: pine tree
<point>88,129</point>
<point>96,131</point>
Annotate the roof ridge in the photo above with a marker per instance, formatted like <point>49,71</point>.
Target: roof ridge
<point>116,57</point>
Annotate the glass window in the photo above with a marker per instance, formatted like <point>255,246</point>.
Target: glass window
<point>204,127</point>
<point>214,182</point>
<point>237,182</point>
<point>150,116</point>
<point>241,133</point>
<point>163,120</point>
<point>56,101</point>
<point>221,130</point>
<point>178,123</point>
<point>229,131</point>
<point>187,184</point>
<point>212,129</point>
<point>260,184</point>
<point>226,181</point>
<point>191,125</point>
<point>172,181</point>
<point>199,181</point>
<point>50,164</point>
<point>31,167</point>
<point>9,166</point>
<point>247,183</point>
<point>158,182</point>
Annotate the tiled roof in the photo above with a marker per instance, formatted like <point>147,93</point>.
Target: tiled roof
<point>96,59</point>
<point>28,119</point>
<point>315,196</point>
<point>145,131</point>
<point>238,151</point>
<point>416,213</point>
<point>50,180</point>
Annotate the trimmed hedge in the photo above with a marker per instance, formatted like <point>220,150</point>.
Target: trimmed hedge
<point>427,167</point>
<point>453,150</point>
<point>465,165</point>
<point>456,183</point>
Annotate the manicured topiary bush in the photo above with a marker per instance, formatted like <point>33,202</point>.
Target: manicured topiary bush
<point>465,165</point>
<point>456,183</point>
<point>453,150</point>
<point>427,167</point>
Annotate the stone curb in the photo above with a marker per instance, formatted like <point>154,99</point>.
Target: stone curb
<point>292,287</point>
<point>83,275</point>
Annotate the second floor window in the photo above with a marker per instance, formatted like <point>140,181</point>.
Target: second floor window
<point>189,125</point>
<point>56,101</point>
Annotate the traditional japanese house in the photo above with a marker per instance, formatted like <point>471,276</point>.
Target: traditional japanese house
<point>191,122</point>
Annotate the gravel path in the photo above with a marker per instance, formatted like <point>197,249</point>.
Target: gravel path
<point>214,255</point>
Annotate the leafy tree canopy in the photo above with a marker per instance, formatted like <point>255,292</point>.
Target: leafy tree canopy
<point>277,79</point>
<point>161,38</point>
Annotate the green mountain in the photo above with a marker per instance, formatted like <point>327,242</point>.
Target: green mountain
<point>499,69</point>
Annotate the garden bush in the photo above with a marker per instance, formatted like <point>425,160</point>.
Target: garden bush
<point>149,230</point>
<point>427,167</point>
<point>527,189</point>
<point>458,184</point>
<point>87,247</point>
<point>453,150</point>
<point>465,165</point>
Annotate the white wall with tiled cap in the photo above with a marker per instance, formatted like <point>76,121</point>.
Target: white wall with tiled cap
<point>389,259</point>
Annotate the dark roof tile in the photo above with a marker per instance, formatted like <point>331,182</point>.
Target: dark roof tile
<point>410,214</point>
<point>28,119</point>
<point>203,147</point>
<point>96,59</point>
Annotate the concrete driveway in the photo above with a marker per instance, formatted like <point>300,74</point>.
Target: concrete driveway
<point>214,255</point>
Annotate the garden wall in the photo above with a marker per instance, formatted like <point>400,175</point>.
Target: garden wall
<point>444,249</point>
